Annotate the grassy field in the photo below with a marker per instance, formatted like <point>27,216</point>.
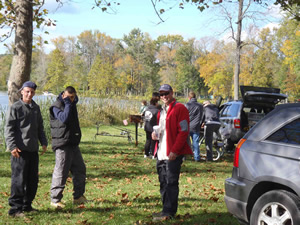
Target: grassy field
<point>123,187</point>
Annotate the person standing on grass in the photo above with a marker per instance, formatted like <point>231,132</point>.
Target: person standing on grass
<point>142,112</point>
<point>23,130</point>
<point>196,115</point>
<point>150,121</point>
<point>173,144</point>
<point>211,124</point>
<point>66,136</point>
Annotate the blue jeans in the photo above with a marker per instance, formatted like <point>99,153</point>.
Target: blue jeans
<point>195,139</point>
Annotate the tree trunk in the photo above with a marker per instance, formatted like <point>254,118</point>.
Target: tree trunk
<point>238,51</point>
<point>21,64</point>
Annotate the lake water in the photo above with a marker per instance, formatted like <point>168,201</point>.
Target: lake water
<point>4,99</point>
<point>122,103</point>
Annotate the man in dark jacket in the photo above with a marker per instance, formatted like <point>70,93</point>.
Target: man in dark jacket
<point>211,125</point>
<point>196,115</point>
<point>66,135</point>
<point>150,118</point>
<point>23,130</point>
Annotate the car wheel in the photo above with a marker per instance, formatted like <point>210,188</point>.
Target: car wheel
<point>276,207</point>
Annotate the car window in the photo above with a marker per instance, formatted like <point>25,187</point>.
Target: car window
<point>223,112</point>
<point>230,110</point>
<point>290,133</point>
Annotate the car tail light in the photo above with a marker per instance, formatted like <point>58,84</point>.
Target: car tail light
<point>237,123</point>
<point>237,153</point>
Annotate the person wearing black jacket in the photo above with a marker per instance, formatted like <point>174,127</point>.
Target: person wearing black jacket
<point>211,125</point>
<point>196,115</point>
<point>150,117</point>
<point>66,135</point>
<point>23,131</point>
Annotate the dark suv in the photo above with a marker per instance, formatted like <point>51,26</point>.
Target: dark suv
<point>265,183</point>
<point>237,117</point>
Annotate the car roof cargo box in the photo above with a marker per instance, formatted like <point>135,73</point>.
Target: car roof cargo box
<point>256,95</point>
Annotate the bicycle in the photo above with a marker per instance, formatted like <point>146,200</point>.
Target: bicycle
<point>217,145</point>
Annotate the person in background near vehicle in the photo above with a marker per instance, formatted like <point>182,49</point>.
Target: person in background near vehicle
<point>174,143</point>
<point>196,115</point>
<point>66,135</point>
<point>23,130</point>
<point>211,124</point>
<point>142,111</point>
<point>150,120</point>
<point>156,96</point>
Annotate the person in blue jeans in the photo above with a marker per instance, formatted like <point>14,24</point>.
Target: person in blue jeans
<point>196,116</point>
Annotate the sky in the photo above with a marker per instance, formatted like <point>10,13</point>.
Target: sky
<point>76,16</point>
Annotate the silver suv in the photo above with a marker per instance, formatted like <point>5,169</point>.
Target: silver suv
<point>265,183</point>
<point>237,117</point>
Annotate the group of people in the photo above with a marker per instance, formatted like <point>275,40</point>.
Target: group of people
<point>169,143</point>
<point>24,129</point>
<point>204,117</point>
<point>204,120</point>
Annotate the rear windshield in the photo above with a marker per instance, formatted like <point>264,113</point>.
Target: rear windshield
<point>230,110</point>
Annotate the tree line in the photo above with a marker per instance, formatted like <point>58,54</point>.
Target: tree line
<point>137,64</point>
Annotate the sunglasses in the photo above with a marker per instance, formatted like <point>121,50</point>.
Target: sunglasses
<point>164,94</point>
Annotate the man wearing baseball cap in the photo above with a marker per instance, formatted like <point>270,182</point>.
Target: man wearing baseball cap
<point>23,130</point>
<point>173,144</point>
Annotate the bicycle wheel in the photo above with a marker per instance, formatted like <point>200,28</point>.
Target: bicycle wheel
<point>217,149</point>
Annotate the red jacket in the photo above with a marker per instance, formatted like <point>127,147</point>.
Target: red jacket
<point>177,129</point>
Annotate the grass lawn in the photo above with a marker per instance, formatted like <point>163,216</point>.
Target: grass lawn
<point>123,187</point>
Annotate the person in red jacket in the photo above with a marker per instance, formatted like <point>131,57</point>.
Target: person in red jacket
<point>173,143</point>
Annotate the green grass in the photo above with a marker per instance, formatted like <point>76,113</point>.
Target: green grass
<point>123,187</point>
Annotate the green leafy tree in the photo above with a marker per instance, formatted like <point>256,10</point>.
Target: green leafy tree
<point>266,61</point>
<point>76,74</point>
<point>101,77</point>
<point>5,64</point>
<point>188,76</point>
<point>166,56</point>
<point>56,71</point>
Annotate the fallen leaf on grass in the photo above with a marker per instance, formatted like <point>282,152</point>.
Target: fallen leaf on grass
<point>189,180</point>
<point>81,206</point>
<point>215,199</point>
<point>4,194</point>
<point>212,220</point>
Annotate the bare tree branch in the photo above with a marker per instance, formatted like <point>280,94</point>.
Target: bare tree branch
<point>157,13</point>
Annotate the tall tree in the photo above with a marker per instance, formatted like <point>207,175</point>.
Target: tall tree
<point>187,75</point>
<point>56,71</point>
<point>21,64</point>
<point>101,77</point>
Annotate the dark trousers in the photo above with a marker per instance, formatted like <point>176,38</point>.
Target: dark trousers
<point>209,130</point>
<point>150,144</point>
<point>168,175</point>
<point>24,181</point>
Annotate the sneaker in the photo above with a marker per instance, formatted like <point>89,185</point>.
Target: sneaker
<point>33,210</point>
<point>157,214</point>
<point>17,214</point>
<point>57,205</point>
<point>145,156</point>
<point>80,200</point>
<point>161,217</point>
